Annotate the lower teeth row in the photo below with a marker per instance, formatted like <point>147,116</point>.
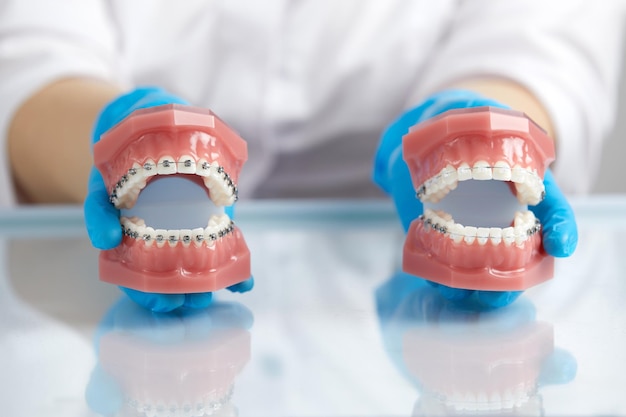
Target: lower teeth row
<point>186,238</point>
<point>507,235</point>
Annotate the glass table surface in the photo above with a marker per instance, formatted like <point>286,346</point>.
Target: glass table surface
<point>332,328</point>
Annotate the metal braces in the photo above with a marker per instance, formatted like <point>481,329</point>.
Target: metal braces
<point>166,164</point>
<point>428,224</point>
<point>134,234</point>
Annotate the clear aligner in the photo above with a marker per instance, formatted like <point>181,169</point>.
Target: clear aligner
<point>422,190</point>
<point>148,166</point>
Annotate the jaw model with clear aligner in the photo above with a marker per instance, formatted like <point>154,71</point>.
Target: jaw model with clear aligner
<point>476,171</point>
<point>168,245</point>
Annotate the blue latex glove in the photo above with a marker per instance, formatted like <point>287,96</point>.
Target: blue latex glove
<point>560,234</point>
<point>102,218</point>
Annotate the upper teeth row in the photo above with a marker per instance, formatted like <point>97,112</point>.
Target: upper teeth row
<point>217,228</point>
<point>222,188</point>
<point>529,186</point>
<point>524,226</point>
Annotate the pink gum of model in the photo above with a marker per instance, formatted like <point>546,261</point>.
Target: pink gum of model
<point>176,131</point>
<point>467,136</point>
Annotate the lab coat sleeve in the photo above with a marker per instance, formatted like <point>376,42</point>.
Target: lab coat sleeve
<point>566,52</point>
<point>42,41</point>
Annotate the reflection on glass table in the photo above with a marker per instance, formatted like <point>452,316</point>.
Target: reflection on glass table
<point>464,361</point>
<point>332,334</point>
<point>179,364</point>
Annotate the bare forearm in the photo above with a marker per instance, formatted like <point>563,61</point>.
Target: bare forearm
<point>49,140</point>
<point>513,95</point>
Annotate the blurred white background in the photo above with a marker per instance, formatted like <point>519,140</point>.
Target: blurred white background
<point>611,178</point>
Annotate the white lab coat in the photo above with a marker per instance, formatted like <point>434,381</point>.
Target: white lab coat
<point>311,84</point>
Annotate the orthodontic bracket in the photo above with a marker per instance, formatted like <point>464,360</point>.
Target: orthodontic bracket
<point>166,164</point>
<point>159,238</point>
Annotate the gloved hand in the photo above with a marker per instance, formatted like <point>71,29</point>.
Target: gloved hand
<point>102,218</point>
<point>560,234</point>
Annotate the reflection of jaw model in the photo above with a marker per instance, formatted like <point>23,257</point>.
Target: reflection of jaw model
<point>461,374</point>
<point>191,378</point>
<point>499,248</point>
<point>154,145</point>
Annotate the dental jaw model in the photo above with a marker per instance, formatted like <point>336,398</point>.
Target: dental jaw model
<point>179,240</point>
<point>476,171</point>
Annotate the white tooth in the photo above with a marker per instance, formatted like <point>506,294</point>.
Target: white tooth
<point>211,231</point>
<point>185,237</point>
<point>470,234</point>
<point>148,236</point>
<point>186,165</point>
<point>160,237</point>
<point>508,235</point>
<point>457,232</point>
<point>464,172</point>
<point>529,218</point>
<point>141,230</point>
<point>149,168</point>
<point>482,235</point>
<point>433,185</point>
<point>135,177</point>
<point>230,200</point>
<point>449,225</point>
<point>520,235</point>
<point>213,221</point>
<point>518,174</point>
<point>449,175</point>
<point>429,213</point>
<point>519,220</point>
<point>495,235</point>
<point>434,199</point>
<point>195,234</point>
<point>203,168</point>
<point>481,397</point>
<point>138,221</point>
<point>225,220</point>
<point>166,166</point>
<point>502,171</point>
<point>482,171</point>
<point>124,220</point>
<point>437,196</point>
<point>173,236</point>
<point>445,216</point>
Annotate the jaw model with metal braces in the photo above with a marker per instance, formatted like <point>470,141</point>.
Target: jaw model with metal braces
<point>502,249</point>
<point>165,142</point>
